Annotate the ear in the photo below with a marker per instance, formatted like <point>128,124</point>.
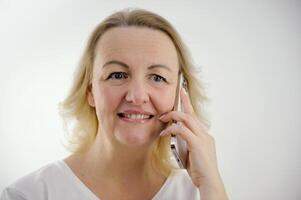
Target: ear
<point>90,96</point>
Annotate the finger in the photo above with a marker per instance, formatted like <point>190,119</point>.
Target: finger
<point>186,103</point>
<point>181,131</point>
<point>188,120</point>
<point>188,108</point>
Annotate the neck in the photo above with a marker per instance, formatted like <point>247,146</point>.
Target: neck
<point>118,163</point>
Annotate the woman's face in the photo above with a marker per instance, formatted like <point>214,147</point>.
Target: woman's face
<point>135,69</point>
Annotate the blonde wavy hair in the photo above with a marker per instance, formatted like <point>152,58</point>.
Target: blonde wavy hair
<point>81,118</point>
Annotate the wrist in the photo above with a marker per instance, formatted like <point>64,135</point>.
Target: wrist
<point>213,190</point>
<point>213,193</point>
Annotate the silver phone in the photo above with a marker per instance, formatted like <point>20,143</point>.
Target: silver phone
<point>178,145</point>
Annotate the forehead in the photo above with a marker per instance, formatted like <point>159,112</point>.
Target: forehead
<point>136,46</point>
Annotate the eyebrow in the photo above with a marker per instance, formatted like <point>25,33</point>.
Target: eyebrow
<point>126,66</point>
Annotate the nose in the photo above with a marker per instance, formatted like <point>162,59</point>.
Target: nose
<point>137,93</point>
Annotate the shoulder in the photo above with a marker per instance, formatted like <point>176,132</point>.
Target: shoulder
<point>36,184</point>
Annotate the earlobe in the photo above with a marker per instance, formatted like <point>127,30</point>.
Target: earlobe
<point>90,97</point>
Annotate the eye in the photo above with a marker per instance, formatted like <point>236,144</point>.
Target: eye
<point>158,78</point>
<point>117,75</point>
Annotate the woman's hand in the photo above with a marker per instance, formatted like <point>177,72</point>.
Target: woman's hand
<point>202,163</point>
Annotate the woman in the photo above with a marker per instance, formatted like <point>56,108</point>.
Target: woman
<point>120,104</point>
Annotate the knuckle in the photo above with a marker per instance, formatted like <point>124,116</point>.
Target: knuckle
<point>174,127</point>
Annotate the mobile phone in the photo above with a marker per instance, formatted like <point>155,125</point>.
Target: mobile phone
<point>178,145</point>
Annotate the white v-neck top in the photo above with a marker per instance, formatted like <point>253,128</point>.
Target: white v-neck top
<point>56,181</point>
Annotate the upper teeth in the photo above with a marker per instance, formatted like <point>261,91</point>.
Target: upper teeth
<point>134,116</point>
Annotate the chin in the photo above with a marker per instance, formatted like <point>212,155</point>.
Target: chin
<point>134,139</point>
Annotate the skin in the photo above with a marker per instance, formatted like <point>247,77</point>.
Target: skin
<point>122,151</point>
<point>202,163</point>
<point>139,48</point>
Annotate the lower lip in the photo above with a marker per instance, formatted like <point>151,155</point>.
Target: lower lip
<point>139,121</point>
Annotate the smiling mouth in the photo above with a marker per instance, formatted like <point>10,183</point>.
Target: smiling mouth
<point>135,116</point>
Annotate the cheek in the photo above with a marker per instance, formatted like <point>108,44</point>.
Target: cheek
<point>106,101</point>
<point>111,99</point>
<point>164,101</point>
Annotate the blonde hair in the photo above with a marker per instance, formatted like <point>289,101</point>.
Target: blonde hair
<point>76,111</point>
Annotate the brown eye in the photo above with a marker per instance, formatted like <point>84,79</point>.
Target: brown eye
<point>117,76</point>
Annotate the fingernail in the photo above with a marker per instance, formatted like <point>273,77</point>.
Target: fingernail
<point>162,117</point>
<point>162,133</point>
<point>178,124</point>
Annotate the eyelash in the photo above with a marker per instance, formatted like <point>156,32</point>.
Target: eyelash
<point>124,74</point>
<point>110,76</point>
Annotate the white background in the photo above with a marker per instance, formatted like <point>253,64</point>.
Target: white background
<point>248,51</point>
